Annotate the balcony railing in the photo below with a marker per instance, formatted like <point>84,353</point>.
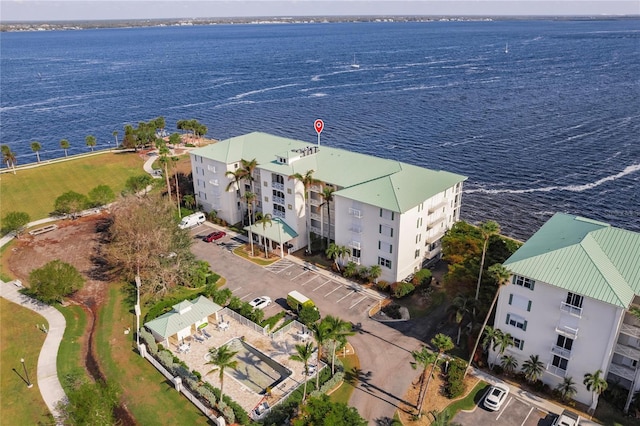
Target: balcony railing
<point>211,168</point>
<point>438,206</point>
<point>567,331</point>
<point>355,244</point>
<point>630,330</point>
<point>622,371</point>
<point>277,185</point>
<point>315,230</point>
<point>355,213</point>
<point>628,351</point>
<point>355,260</point>
<point>436,222</point>
<point>278,213</point>
<point>433,238</point>
<point>556,371</point>
<point>314,216</point>
<point>279,200</point>
<point>314,202</point>
<point>315,188</point>
<point>560,351</point>
<point>356,229</point>
<point>571,310</point>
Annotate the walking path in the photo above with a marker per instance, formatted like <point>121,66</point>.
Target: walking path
<point>47,374</point>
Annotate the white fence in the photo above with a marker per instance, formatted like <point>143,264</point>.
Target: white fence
<point>284,330</point>
<point>244,321</point>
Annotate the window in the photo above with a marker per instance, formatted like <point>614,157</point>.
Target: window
<point>574,300</point>
<point>266,199</point>
<point>385,247</point>
<point>517,321</point>
<point>384,262</point>
<point>419,222</point>
<point>560,362</point>
<point>520,302</point>
<point>418,238</point>
<point>289,191</point>
<point>355,252</point>
<point>386,230</point>
<point>564,342</point>
<point>416,254</point>
<point>518,343</point>
<point>386,214</point>
<point>523,282</point>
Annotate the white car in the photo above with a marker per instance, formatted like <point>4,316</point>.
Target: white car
<point>567,418</point>
<point>496,396</point>
<point>260,302</point>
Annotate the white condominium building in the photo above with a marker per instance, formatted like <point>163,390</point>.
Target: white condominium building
<point>386,212</point>
<point>573,285</point>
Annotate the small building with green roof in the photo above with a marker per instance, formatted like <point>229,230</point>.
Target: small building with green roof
<point>574,286</point>
<point>386,212</point>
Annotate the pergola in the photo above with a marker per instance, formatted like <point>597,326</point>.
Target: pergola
<point>277,231</point>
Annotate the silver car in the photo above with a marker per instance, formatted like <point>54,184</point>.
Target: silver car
<point>496,396</point>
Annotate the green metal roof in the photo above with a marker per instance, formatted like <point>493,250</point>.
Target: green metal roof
<point>390,184</point>
<point>183,315</point>
<point>276,231</point>
<point>582,256</point>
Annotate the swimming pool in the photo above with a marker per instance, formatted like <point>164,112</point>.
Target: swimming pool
<point>255,369</point>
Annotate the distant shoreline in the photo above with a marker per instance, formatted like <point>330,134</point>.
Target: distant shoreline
<point>14,26</point>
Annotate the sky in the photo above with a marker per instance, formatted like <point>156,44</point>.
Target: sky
<point>55,10</point>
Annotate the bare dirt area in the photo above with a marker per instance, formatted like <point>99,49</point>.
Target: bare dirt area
<point>75,242</point>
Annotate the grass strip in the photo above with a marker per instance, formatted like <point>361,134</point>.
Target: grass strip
<point>70,361</point>
<point>351,368</point>
<point>469,401</point>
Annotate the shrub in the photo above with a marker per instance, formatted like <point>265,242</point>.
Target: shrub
<point>308,315</point>
<point>54,281</point>
<point>455,378</point>
<point>401,289</point>
<point>212,279</point>
<point>235,303</point>
<point>272,321</point>
<point>422,277</point>
<point>392,311</point>
<point>150,341</point>
<point>383,285</point>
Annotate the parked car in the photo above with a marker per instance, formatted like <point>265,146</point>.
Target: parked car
<point>567,418</point>
<point>496,396</point>
<point>214,236</point>
<point>260,302</point>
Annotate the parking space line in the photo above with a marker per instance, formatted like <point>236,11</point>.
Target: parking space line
<point>308,281</point>
<point>528,414</point>
<point>299,275</point>
<point>245,296</point>
<point>349,294</point>
<point>326,282</point>
<point>285,268</point>
<point>363,297</point>
<point>505,407</point>
<point>337,288</point>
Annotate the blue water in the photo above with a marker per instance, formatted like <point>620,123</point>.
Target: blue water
<point>552,125</point>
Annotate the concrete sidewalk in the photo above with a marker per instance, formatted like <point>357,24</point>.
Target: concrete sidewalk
<point>47,374</point>
<point>543,404</point>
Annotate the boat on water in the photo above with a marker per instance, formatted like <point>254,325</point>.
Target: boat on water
<point>354,64</point>
<point>506,48</point>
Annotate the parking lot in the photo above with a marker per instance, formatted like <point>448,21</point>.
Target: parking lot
<point>514,412</point>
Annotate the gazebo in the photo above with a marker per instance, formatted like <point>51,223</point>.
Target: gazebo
<point>277,231</point>
<point>183,320</point>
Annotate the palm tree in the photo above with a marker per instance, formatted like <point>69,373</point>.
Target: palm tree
<point>490,337</point>
<point>501,276</point>
<point>164,160</point>
<point>64,144</point>
<point>174,163</point>
<point>423,358</point>
<point>340,329</point>
<point>248,167</point>
<point>333,252</point>
<point>236,177</point>
<point>322,333</point>
<point>462,306</point>
<point>532,368</point>
<point>597,384</point>
<point>567,388</point>
<point>503,341</point>
<point>115,135</point>
<point>222,358</point>
<point>9,157</point>
<point>442,418</point>
<point>509,364</point>
<point>90,141</point>
<point>189,201</point>
<point>36,147</point>
<point>327,196</point>
<point>487,229</point>
<point>303,354</point>
<point>265,219</point>
<point>374,272</point>
<point>250,198</point>
<point>307,181</point>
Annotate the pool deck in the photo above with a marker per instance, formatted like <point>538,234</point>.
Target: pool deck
<point>279,350</point>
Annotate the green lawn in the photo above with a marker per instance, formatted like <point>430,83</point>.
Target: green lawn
<point>351,368</point>
<point>34,190</point>
<point>144,390</point>
<point>70,359</point>
<point>19,338</point>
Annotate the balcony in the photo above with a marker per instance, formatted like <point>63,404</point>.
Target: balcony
<point>560,351</point>
<point>435,237</point>
<point>277,185</point>
<point>211,168</point>
<point>315,230</point>
<point>435,223</point>
<point>355,213</point>
<point>315,188</point>
<point>278,213</point>
<point>571,310</point>
<point>622,371</point>
<point>279,200</point>
<point>356,229</point>
<point>567,331</point>
<point>355,260</point>
<point>556,371</point>
<point>628,351</point>
<point>315,216</point>
<point>438,206</point>
<point>630,330</point>
<point>355,244</point>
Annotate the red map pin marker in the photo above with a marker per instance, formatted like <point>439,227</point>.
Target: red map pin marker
<point>318,125</point>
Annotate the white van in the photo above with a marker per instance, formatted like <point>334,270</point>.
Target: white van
<point>192,220</point>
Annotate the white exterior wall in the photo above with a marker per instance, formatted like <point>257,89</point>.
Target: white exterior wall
<point>592,348</point>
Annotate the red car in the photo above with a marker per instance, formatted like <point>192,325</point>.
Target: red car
<point>214,236</point>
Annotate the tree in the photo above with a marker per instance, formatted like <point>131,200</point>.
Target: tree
<point>307,181</point>
<point>442,343</point>
<point>222,358</point>
<point>138,184</point>
<point>567,389</point>
<point>64,144</point>
<point>327,196</point>
<point>250,198</point>
<point>322,412</point>
<point>189,201</point>
<point>264,220</point>
<point>487,229</point>
<point>340,330</point>
<point>234,184</point>
<point>115,135</point>
<point>9,157</point>
<point>164,160</point>
<point>15,222</point>
<point>501,275</point>
<point>336,253</point>
<point>55,280</point>
<point>90,141</point>
<point>374,272</point>
<point>88,403</point>
<point>71,203</point>
<point>248,167</point>
<point>509,364</point>
<point>442,418</point>
<point>597,384</point>
<point>101,195</point>
<point>308,315</point>
<point>36,147</point>
<point>502,342</point>
<point>423,358</point>
<point>303,354</point>
<point>490,337</point>
<point>532,368</point>
<point>462,306</point>
<point>322,333</point>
